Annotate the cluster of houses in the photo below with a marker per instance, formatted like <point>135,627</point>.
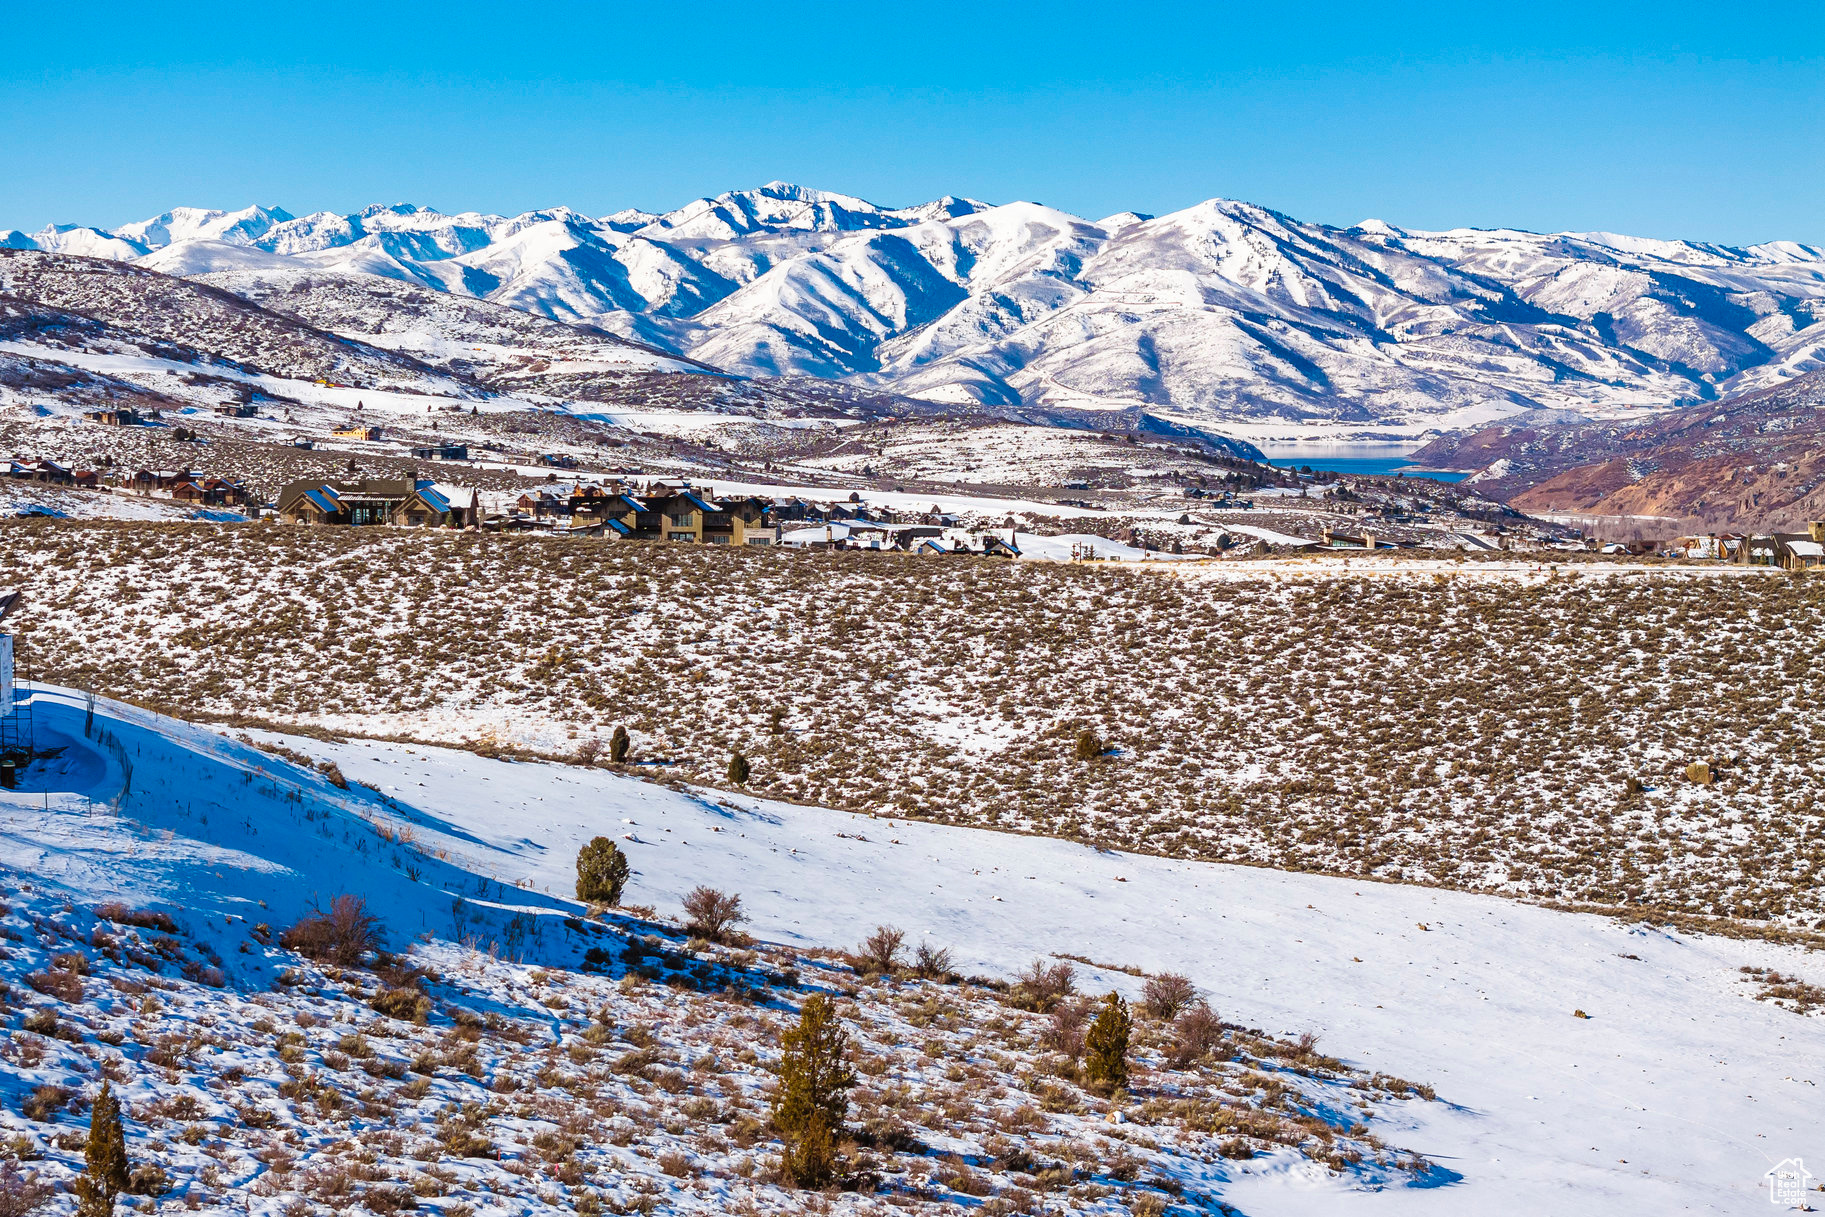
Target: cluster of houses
<point>181,485</point>
<point>667,510</point>
<point>1786,550</point>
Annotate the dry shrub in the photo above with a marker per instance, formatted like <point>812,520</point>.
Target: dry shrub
<point>65,986</point>
<point>931,962</point>
<point>21,1194</point>
<point>712,914</point>
<point>343,934</point>
<point>44,1103</point>
<point>1065,1032</point>
<point>677,1164</point>
<point>1196,1031</point>
<point>405,1004</point>
<point>145,919</point>
<point>880,951</point>
<point>1043,985</point>
<point>387,1200</point>
<point>1165,995</point>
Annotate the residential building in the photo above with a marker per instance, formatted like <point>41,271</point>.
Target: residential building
<point>401,502</point>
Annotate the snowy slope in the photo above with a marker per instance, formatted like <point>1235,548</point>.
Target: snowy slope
<point>1224,312</point>
<point>1676,1094</point>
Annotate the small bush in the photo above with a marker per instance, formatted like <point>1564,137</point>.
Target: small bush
<point>332,773</point>
<point>149,1179</point>
<point>145,919</point>
<point>677,1164</point>
<point>1043,985</point>
<point>343,934</point>
<point>602,872</point>
<point>880,951</point>
<point>931,962</point>
<point>1196,1031</point>
<point>21,1194</point>
<point>1065,1033</point>
<point>387,1200</point>
<point>739,769</point>
<point>44,1103</point>
<point>71,961</point>
<point>1089,747</point>
<point>406,1004</point>
<point>712,914</point>
<point>65,986</point>
<point>1165,995</point>
<point>618,745</point>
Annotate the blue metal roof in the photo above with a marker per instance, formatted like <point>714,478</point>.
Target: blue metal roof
<point>436,501</point>
<point>619,527</point>
<point>701,505</point>
<point>325,499</point>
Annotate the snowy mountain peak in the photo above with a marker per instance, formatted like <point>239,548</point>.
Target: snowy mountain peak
<point>1226,311</point>
<point>242,227</point>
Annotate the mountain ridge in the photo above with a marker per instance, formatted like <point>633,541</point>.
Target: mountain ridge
<point>1223,314</point>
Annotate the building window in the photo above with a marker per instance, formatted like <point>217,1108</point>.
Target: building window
<point>682,521</point>
<point>682,536</point>
<point>719,540</point>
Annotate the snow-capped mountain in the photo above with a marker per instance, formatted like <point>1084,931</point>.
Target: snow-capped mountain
<point>1224,313</point>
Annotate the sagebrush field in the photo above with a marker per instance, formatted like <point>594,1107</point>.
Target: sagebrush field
<point>1513,732</point>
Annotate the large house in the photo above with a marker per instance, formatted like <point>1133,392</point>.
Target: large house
<point>401,502</point>
<point>690,517</point>
<point>1787,550</point>
<point>46,471</point>
<point>125,416</point>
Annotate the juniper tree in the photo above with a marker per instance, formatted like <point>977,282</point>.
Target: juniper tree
<point>1106,1045</point>
<point>812,1099</point>
<point>738,768</point>
<point>618,744</point>
<point>601,872</point>
<point>1088,746</point>
<point>105,1173</point>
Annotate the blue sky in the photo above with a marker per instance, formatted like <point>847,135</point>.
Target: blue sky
<point>1671,119</point>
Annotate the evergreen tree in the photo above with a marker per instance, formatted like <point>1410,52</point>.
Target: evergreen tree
<point>105,1175</point>
<point>601,872</point>
<point>1106,1046</point>
<point>618,744</point>
<point>738,768</point>
<point>1088,746</point>
<point>812,1099</point>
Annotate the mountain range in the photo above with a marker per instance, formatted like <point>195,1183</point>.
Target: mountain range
<point>1224,315</point>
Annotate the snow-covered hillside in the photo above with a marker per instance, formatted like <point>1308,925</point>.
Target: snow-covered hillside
<point>1225,312</point>
<point>1676,1092</point>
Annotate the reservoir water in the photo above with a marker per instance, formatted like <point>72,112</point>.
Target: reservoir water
<point>1343,459</point>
